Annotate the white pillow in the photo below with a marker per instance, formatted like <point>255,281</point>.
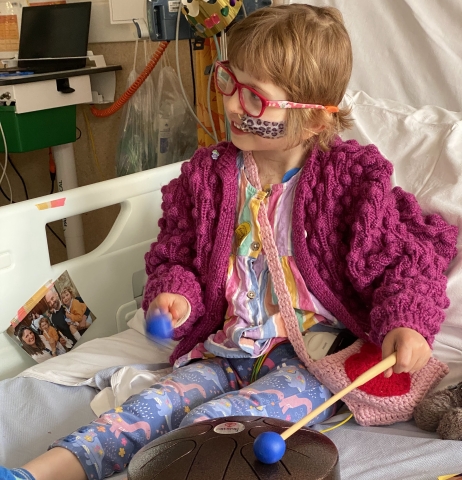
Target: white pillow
<point>425,147</point>
<point>137,322</point>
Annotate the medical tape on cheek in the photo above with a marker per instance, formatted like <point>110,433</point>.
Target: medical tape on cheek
<point>263,128</point>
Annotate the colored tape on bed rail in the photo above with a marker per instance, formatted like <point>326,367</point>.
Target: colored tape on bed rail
<point>30,304</point>
<point>53,204</point>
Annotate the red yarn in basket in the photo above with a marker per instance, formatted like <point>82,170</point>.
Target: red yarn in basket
<point>367,357</point>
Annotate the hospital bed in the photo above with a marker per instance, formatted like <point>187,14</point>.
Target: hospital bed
<point>406,97</point>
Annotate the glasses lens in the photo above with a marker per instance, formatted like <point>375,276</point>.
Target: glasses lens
<point>252,103</point>
<point>225,82</point>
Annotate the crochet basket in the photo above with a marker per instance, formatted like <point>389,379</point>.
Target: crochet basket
<point>381,401</point>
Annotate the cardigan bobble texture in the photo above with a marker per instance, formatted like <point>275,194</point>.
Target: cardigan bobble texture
<point>364,249</point>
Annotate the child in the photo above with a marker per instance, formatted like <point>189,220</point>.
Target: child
<point>51,336</point>
<point>354,253</point>
<point>75,310</point>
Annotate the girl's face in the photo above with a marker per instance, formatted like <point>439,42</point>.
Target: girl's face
<point>44,326</point>
<point>233,109</point>
<point>66,298</point>
<point>28,337</point>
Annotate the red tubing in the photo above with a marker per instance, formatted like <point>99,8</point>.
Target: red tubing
<point>116,106</point>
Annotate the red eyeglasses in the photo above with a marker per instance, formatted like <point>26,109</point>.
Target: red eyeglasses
<point>253,103</point>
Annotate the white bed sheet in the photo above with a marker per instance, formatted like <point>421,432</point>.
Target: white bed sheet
<point>80,365</point>
<point>402,451</point>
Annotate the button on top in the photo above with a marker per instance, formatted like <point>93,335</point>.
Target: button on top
<point>251,295</point>
<point>255,246</point>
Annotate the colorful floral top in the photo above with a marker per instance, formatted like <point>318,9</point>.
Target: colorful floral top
<point>253,323</point>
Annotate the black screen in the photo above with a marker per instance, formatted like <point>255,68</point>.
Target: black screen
<point>54,31</point>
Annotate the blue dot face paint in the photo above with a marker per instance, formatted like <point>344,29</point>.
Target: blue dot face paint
<point>263,128</point>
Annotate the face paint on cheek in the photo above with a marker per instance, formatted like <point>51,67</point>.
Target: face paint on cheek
<point>263,128</point>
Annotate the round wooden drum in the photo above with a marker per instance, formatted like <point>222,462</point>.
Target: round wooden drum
<point>222,449</point>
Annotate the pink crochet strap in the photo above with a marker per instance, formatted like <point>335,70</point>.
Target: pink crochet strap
<point>272,255</point>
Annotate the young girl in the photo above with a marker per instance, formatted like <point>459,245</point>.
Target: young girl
<point>353,252</point>
<point>50,334</point>
<point>75,310</point>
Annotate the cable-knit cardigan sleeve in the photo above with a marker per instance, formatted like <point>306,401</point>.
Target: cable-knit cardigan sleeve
<point>170,260</point>
<point>398,256</point>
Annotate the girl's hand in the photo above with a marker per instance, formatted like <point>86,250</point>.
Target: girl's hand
<point>412,350</point>
<point>174,305</point>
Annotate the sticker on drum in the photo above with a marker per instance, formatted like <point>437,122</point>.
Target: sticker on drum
<point>228,428</point>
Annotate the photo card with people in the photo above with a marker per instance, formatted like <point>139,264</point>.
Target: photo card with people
<point>52,320</point>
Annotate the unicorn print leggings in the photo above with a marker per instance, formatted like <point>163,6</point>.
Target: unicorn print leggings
<point>205,389</point>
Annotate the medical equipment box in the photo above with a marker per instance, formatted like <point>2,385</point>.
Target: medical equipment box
<point>25,132</point>
<point>162,18</point>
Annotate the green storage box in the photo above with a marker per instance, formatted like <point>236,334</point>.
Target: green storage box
<point>35,130</point>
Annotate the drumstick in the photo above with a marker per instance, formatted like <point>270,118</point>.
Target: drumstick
<point>361,380</point>
<point>269,447</point>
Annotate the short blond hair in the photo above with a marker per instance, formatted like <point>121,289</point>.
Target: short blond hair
<point>44,319</point>
<point>69,290</point>
<point>304,50</point>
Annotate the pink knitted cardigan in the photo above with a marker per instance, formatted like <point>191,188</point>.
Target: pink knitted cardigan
<point>365,250</point>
